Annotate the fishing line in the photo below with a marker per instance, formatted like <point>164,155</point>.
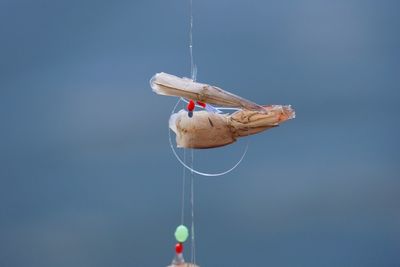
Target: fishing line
<point>193,74</point>
<point>193,68</point>
<point>193,244</point>
<point>183,190</point>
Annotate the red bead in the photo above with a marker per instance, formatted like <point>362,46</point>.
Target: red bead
<point>179,248</point>
<point>203,105</point>
<point>190,105</point>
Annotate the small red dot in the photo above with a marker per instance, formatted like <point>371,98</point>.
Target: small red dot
<point>190,105</point>
<point>178,248</point>
<point>203,105</point>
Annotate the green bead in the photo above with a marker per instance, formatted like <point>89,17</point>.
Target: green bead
<point>181,233</point>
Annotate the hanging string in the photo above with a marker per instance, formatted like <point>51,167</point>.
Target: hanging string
<point>193,68</point>
<point>193,244</point>
<point>183,189</point>
<point>193,74</point>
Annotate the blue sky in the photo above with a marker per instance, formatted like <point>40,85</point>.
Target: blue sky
<point>87,177</point>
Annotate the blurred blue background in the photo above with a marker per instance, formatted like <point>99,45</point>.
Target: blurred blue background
<point>87,177</point>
